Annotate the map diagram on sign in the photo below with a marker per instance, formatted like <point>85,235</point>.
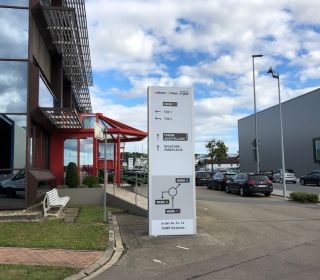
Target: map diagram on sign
<point>169,194</point>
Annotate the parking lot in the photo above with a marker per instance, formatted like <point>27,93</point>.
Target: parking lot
<point>249,238</point>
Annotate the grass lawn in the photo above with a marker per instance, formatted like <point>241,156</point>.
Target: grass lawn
<point>24,272</point>
<point>89,232</point>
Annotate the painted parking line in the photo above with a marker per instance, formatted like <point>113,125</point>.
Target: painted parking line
<point>158,261</point>
<point>184,248</point>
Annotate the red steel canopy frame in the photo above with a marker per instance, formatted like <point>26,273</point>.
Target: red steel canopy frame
<point>117,133</point>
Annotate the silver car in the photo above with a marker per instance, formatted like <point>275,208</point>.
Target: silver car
<point>14,185</point>
<point>288,176</point>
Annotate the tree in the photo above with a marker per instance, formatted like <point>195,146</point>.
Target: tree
<point>72,177</point>
<point>217,151</point>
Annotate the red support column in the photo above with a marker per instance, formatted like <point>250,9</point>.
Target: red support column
<point>95,157</point>
<point>56,157</point>
<point>78,158</point>
<point>114,162</point>
<point>118,161</point>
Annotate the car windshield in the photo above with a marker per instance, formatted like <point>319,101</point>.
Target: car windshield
<point>203,175</point>
<point>258,177</point>
<point>230,176</point>
<point>289,171</point>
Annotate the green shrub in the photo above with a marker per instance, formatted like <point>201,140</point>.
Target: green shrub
<point>91,181</point>
<point>72,177</point>
<point>101,176</point>
<point>304,197</point>
<point>132,180</point>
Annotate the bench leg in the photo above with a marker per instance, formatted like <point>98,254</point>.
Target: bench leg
<point>45,207</point>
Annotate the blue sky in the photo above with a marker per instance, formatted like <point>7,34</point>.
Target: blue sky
<point>206,45</point>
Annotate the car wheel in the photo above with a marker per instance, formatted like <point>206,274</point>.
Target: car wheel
<point>227,189</point>
<point>318,183</point>
<point>241,191</point>
<point>219,187</point>
<point>267,194</point>
<point>10,193</point>
<point>303,182</point>
<point>208,186</point>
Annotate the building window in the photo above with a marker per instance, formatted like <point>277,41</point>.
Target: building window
<point>14,33</point>
<point>85,163</point>
<point>70,151</point>
<point>316,149</point>
<point>13,87</point>
<point>17,3</point>
<point>12,161</point>
<point>45,96</point>
<point>12,141</point>
<point>88,121</point>
<point>110,151</point>
<point>86,151</point>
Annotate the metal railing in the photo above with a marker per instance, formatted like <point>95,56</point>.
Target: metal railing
<point>136,183</point>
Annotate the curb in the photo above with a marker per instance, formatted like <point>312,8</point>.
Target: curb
<point>279,195</point>
<point>111,255</point>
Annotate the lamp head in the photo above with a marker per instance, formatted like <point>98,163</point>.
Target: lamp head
<point>270,71</point>
<point>257,55</point>
<point>273,73</point>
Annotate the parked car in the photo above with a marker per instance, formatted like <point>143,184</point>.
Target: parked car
<point>288,175</point>
<point>14,185</point>
<point>219,180</point>
<point>202,178</point>
<point>269,174</point>
<point>247,183</point>
<point>311,178</point>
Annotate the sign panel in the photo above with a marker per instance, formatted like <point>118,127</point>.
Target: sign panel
<point>98,131</point>
<point>171,161</point>
<point>130,163</point>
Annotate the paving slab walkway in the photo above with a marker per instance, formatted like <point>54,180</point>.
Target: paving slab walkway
<point>129,196</point>
<point>49,257</point>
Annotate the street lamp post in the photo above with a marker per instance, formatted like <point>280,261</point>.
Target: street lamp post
<point>105,181</point>
<point>277,76</point>
<point>255,113</point>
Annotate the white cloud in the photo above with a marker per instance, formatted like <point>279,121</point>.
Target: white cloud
<point>137,37</point>
<point>134,116</point>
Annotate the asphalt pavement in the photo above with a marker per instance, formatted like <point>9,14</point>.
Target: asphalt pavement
<point>253,237</point>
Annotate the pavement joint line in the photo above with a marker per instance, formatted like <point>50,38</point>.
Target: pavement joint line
<point>110,257</point>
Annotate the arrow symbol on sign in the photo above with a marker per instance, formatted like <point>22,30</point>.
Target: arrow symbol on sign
<point>158,118</point>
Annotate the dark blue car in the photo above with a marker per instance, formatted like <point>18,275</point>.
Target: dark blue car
<point>248,183</point>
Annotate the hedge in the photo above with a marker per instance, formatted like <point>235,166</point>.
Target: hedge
<point>304,197</point>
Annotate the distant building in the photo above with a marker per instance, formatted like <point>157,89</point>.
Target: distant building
<point>301,128</point>
<point>228,163</point>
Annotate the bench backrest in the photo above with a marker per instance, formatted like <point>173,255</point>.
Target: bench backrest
<point>52,195</point>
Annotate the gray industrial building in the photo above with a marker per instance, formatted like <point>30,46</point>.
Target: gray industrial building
<point>301,133</point>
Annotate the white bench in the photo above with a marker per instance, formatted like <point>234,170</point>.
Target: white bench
<point>52,200</point>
